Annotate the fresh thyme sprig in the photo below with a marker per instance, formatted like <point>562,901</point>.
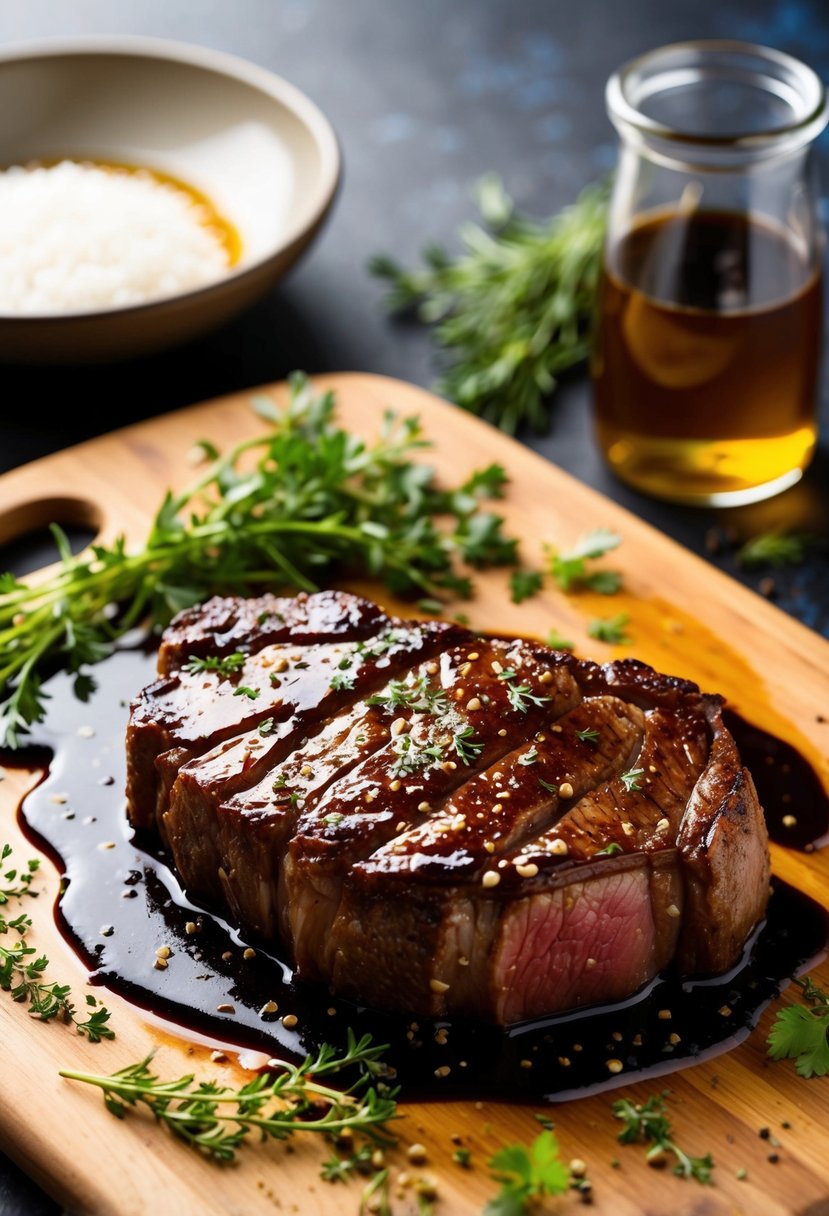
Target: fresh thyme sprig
<point>230,665</point>
<point>514,310</point>
<point>419,697</point>
<point>287,1099</point>
<point>286,508</point>
<point>802,1032</point>
<point>630,779</point>
<point>21,975</point>
<point>16,882</point>
<point>648,1123</point>
<point>22,968</point>
<point>520,695</point>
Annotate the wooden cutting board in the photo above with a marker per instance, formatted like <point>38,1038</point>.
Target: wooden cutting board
<point>687,618</point>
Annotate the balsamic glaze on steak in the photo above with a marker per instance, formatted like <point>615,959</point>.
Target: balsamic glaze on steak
<point>441,823</point>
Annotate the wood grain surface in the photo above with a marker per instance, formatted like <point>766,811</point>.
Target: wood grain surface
<point>686,618</point>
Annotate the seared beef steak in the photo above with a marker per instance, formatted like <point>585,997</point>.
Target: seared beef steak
<point>441,823</point>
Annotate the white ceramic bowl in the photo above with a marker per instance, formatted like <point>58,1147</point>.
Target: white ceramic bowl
<point>260,150</point>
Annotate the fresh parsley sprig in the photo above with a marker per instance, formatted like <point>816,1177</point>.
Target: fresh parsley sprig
<point>610,629</point>
<point>648,1123</point>
<point>570,569</point>
<point>287,1099</point>
<point>291,507</point>
<point>526,1173</point>
<point>801,1032</point>
<point>514,310</point>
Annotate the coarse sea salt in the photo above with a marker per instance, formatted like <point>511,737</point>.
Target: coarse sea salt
<point>79,237</point>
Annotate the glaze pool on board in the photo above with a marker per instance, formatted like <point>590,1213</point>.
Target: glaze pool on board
<point>122,902</point>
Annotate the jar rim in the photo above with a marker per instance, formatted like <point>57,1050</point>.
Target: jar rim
<point>627,90</point>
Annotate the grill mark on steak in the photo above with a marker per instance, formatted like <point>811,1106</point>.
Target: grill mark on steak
<point>379,800</point>
<point>513,801</point>
<point>224,625</point>
<point>361,827</point>
<point>185,715</point>
<point>201,787</point>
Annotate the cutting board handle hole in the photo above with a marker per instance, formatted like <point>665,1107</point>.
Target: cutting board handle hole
<point>26,543</point>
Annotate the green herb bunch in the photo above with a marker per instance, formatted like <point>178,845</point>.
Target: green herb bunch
<point>291,508</point>
<point>514,310</point>
<point>288,1098</point>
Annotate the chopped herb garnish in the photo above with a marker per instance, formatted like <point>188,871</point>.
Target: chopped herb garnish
<point>588,736</point>
<point>409,757</point>
<point>648,1123</point>
<point>466,746</point>
<point>522,695</point>
<point>610,850</point>
<point>524,584</point>
<point>230,665</point>
<point>546,785</point>
<point>280,782</point>
<point>570,569</point>
<point>432,606</point>
<point>801,1032</point>
<point>245,691</point>
<point>342,681</point>
<point>610,629</point>
<point>287,1099</point>
<point>333,819</point>
<point>419,697</point>
<point>529,757</point>
<point>376,648</point>
<point>630,779</point>
<point>266,727</point>
<point>463,1157</point>
<point>558,641</point>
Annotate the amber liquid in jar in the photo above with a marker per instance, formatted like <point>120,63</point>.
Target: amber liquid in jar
<point>706,358</point>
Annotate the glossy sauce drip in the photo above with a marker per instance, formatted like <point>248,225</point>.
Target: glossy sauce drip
<point>122,902</point>
<point>787,784</point>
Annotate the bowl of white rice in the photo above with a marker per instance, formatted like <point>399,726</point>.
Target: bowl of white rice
<point>149,191</point>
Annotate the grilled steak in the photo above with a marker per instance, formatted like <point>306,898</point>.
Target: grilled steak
<point>441,823</point>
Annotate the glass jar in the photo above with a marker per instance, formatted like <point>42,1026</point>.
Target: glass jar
<point>707,351</point>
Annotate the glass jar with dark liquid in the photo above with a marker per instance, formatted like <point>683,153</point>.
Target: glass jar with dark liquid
<point>707,351</point>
